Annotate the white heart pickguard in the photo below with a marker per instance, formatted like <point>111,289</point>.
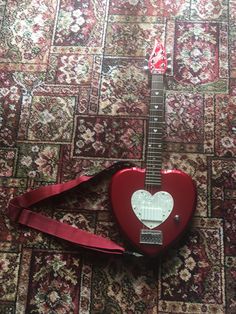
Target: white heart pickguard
<point>152,210</point>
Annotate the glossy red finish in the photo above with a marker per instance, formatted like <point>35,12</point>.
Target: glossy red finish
<point>180,185</point>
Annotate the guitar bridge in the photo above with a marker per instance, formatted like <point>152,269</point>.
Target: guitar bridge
<point>153,237</point>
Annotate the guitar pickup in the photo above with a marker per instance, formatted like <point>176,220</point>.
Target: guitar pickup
<point>153,237</point>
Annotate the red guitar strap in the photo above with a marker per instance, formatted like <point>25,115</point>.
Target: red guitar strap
<point>19,211</point>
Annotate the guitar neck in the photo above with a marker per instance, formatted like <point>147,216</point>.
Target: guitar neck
<point>155,132</point>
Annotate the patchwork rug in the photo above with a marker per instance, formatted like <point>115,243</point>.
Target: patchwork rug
<point>74,99</point>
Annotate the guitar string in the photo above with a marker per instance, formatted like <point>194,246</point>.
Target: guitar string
<point>152,137</point>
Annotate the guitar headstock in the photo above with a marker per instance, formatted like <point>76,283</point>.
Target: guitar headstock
<point>157,62</point>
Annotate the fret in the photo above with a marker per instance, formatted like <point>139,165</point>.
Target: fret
<point>156,100</point>
<point>156,181</point>
<point>153,173</point>
<point>156,107</point>
<point>157,83</point>
<point>154,141</point>
<point>157,97</point>
<point>155,132</point>
<point>157,93</point>
<point>155,121</point>
<point>157,89</point>
<point>153,160</point>
<point>154,129</point>
<point>157,79</point>
<point>153,165</point>
<point>155,111</point>
<point>156,136</point>
<point>152,182</point>
<point>155,125</point>
<point>154,153</point>
<point>151,153</point>
<point>155,148</point>
<point>156,104</point>
<point>152,177</point>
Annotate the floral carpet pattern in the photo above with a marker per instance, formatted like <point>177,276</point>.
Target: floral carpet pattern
<point>74,99</point>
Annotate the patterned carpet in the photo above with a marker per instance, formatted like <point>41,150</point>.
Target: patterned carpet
<point>74,99</point>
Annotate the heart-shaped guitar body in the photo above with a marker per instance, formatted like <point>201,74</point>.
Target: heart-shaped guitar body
<point>164,211</point>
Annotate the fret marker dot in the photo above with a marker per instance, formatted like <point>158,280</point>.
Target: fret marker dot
<point>155,130</point>
<point>156,93</point>
<point>156,107</point>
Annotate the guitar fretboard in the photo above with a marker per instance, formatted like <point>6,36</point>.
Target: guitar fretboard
<point>155,132</point>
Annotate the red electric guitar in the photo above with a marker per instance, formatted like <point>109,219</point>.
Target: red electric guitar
<point>152,206</point>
